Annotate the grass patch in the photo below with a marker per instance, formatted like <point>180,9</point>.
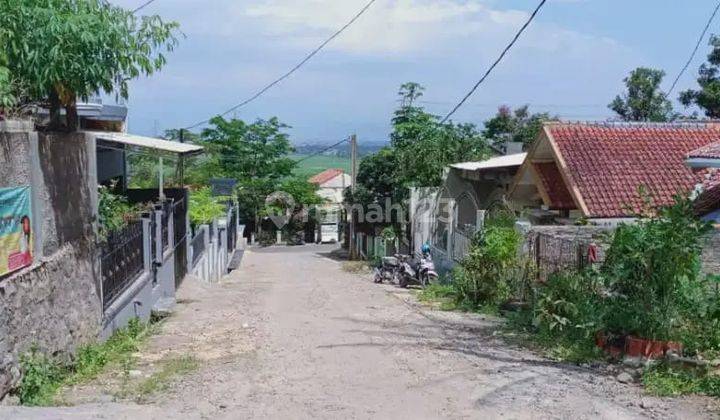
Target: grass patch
<point>356,267</point>
<point>663,381</point>
<point>162,379</point>
<point>44,376</point>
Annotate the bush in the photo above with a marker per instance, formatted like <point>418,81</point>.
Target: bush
<point>652,273</point>
<point>568,304</point>
<point>114,211</point>
<point>267,238</point>
<point>485,276</point>
<point>204,208</point>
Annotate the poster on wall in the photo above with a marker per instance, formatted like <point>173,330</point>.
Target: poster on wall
<point>15,234</point>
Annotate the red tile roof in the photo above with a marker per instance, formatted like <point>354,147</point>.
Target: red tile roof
<point>554,186</point>
<point>709,199</point>
<point>607,163</point>
<point>711,151</point>
<point>325,176</point>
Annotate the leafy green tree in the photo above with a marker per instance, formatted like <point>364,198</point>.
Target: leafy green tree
<point>708,96</point>
<point>62,50</point>
<point>423,146</point>
<point>515,126</point>
<point>256,155</point>
<point>643,101</point>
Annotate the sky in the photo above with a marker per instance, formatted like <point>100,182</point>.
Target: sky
<point>570,62</point>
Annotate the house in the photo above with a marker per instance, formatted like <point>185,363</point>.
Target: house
<point>607,173</point>
<point>706,160</point>
<point>447,217</point>
<point>331,187</point>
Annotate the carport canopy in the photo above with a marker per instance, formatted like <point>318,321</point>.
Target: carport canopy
<point>132,140</point>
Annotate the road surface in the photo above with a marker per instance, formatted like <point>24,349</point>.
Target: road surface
<point>290,335</point>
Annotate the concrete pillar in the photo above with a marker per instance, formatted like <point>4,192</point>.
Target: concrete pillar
<point>158,234</point>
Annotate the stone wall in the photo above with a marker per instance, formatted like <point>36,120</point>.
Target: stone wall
<point>711,254</point>
<point>52,305</point>
<point>55,303</point>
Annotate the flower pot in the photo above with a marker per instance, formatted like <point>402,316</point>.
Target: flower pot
<point>635,347</point>
<point>654,349</point>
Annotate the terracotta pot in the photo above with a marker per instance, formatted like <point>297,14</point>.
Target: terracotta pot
<point>655,349</point>
<point>635,347</point>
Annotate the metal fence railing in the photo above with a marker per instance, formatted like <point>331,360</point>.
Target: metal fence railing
<point>180,235</point>
<point>232,229</point>
<point>460,245</point>
<point>121,261</point>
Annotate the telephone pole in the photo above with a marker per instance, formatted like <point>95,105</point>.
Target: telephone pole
<point>353,176</point>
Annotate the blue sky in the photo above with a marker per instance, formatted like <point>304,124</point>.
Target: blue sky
<point>571,62</point>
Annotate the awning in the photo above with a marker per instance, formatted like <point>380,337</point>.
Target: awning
<point>182,149</point>
<point>493,163</point>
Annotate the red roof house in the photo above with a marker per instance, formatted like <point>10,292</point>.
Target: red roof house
<point>326,176</point>
<point>598,170</point>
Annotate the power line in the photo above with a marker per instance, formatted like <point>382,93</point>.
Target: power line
<point>492,67</point>
<point>321,151</point>
<point>142,6</point>
<point>294,69</point>
<point>695,50</point>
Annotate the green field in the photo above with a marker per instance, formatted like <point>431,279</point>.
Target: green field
<point>317,164</point>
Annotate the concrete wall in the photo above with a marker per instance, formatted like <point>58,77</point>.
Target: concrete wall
<point>55,303</point>
<point>711,254</point>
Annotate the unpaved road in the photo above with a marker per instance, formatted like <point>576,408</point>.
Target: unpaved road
<point>290,335</point>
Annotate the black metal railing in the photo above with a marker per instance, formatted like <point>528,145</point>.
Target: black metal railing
<point>165,224</point>
<point>121,261</point>
<point>198,247</point>
<point>180,234</point>
<point>232,230</point>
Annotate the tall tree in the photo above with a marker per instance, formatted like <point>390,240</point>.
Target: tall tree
<point>423,146</point>
<point>62,50</point>
<point>256,155</point>
<point>643,99</point>
<point>515,126</point>
<point>708,96</point>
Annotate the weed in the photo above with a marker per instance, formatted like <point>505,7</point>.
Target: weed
<point>171,370</point>
<point>663,380</point>
<point>356,267</point>
<point>43,376</point>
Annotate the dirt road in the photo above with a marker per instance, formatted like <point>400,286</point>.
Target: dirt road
<point>290,335</point>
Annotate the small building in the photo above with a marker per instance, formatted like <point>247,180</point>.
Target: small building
<point>447,217</point>
<point>606,173</point>
<point>706,161</point>
<point>331,187</point>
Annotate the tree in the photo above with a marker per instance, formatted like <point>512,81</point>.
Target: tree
<point>256,155</point>
<point>62,50</point>
<point>423,146</point>
<point>643,101</point>
<point>708,96</point>
<point>515,126</point>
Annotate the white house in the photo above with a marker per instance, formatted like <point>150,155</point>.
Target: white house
<point>331,186</point>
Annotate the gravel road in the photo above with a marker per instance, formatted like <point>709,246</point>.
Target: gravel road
<point>290,335</point>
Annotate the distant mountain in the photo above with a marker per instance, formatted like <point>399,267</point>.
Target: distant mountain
<point>342,150</point>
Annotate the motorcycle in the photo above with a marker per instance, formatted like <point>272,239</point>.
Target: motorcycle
<point>418,269</point>
<point>388,270</point>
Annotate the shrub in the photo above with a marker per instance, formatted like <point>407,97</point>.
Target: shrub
<point>204,207</point>
<point>485,275</point>
<point>568,304</point>
<point>114,211</point>
<point>652,273</point>
<point>267,238</point>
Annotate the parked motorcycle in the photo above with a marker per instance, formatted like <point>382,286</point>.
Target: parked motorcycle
<point>417,269</point>
<point>387,271</point>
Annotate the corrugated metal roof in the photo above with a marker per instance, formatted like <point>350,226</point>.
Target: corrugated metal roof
<point>516,159</point>
<point>149,142</point>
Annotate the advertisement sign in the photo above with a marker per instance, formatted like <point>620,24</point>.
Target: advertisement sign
<point>222,186</point>
<point>15,231</point>
<point>329,233</point>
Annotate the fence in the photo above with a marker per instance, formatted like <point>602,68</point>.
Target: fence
<point>122,261</point>
<point>198,246</point>
<point>460,245</point>
<point>554,253</point>
<point>232,229</point>
<point>212,249</point>
<point>180,233</point>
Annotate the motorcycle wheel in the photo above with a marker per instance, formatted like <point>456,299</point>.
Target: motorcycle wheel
<point>378,277</point>
<point>403,282</point>
<point>432,279</point>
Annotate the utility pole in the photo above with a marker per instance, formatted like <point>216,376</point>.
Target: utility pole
<point>353,176</point>
<point>181,164</point>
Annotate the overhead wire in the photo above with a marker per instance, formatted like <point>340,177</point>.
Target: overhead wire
<point>695,50</point>
<point>497,61</point>
<point>142,6</point>
<point>292,70</point>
